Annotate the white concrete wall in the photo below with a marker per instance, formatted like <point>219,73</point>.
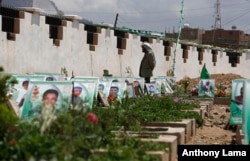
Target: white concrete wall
<point>33,51</point>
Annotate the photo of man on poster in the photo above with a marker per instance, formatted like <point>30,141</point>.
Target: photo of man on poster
<point>206,87</point>
<point>236,105</point>
<point>239,99</point>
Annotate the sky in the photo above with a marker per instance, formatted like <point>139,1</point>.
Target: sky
<point>161,15</point>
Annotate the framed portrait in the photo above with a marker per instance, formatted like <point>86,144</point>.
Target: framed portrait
<point>141,83</point>
<point>151,88</point>
<point>138,91</point>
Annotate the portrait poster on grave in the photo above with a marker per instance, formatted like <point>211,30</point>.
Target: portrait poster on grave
<point>246,112</point>
<point>118,89</point>
<point>45,97</point>
<point>236,102</point>
<point>84,93</point>
<point>206,87</point>
<point>88,79</point>
<point>18,91</point>
<point>122,84</point>
<point>15,90</point>
<point>151,88</point>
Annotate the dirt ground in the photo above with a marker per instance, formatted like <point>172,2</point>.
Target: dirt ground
<point>216,129</point>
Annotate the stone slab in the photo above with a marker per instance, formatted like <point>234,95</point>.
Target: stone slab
<point>193,126</point>
<point>176,131</point>
<point>163,155</point>
<point>171,141</point>
<point>187,124</point>
<point>202,112</point>
<point>239,135</point>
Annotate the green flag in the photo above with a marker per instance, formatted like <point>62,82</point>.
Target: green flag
<point>204,73</point>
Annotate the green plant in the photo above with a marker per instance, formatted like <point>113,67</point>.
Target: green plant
<point>74,134</point>
<point>132,112</point>
<point>7,120</point>
<point>131,148</point>
<point>6,81</point>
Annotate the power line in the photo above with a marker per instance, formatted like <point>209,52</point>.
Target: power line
<point>236,18</point>
<point>122,22</point>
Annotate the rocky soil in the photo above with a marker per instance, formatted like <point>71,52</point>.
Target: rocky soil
<point>216,129</point>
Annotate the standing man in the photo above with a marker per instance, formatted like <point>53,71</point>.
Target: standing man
<point>147,63</point>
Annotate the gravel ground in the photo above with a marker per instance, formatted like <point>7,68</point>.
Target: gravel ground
<point>216,129</point>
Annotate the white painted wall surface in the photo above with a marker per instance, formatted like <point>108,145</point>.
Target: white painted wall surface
<point>33,51</point>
